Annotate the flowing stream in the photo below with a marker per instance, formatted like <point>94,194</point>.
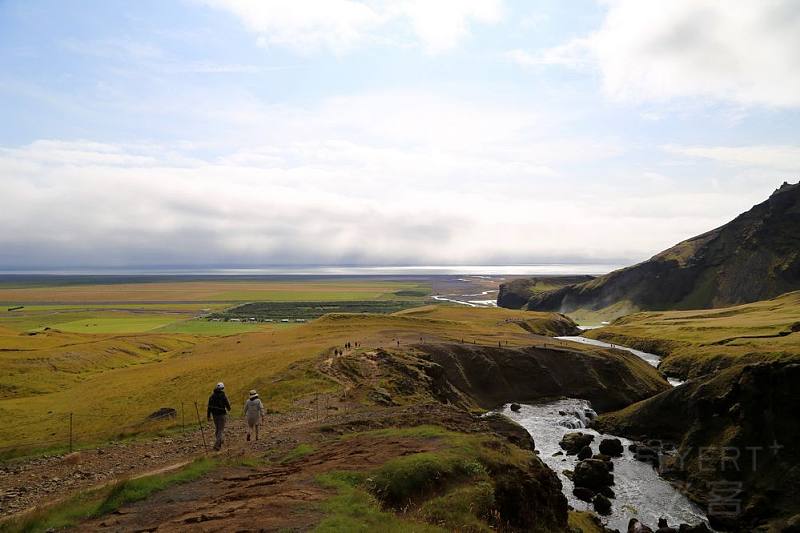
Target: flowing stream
<point>640,492</point>
<point>651,358</point>
<point>464,299</point>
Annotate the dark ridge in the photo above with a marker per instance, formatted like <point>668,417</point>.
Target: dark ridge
<point>754,257</point>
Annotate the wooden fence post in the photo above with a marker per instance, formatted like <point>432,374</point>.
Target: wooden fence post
<point>202,431</point>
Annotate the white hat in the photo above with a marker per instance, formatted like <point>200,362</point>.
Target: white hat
<point>253,393</point>
<point>220,386</point>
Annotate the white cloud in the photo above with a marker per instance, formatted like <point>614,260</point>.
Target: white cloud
<point>442,24</point>
<point>341,25</point>
<point>776,157</point>
<point>744,52</point>
<point>574,54</point>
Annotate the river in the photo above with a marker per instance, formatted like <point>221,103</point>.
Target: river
<point>640,492</point>
<point>651,358</point>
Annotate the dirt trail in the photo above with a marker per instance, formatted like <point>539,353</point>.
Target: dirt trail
<point>29,483</point>
<point>273,497</point>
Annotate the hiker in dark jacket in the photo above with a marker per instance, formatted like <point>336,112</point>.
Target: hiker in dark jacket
<point>218,407</point>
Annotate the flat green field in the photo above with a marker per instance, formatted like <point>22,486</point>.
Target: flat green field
<point>115,325</point>
<point>173,306</point>
<point>225,291</point>
<point>205,327</point>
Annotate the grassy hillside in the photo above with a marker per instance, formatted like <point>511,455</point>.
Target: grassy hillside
<point>112,382</point>
<point>755,256</point>
<point>698,342</point>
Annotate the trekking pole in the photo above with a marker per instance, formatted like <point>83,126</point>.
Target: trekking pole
<point>70,433</point>
<point>202,432</point>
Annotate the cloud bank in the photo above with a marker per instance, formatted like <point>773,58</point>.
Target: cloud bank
<point>439,181</point>
<point>744,52</point>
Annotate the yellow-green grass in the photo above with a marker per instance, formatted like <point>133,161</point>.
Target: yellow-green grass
<point>448,487</point>
<point>591,317</point>
<point>94,320</point>
<point>300,451</point>
<point>113,381</point>
<point>99,502</point>
<point>200,326</point>
<point>585,522</point>
<point>116,325</point>
<point>210,291</point>
<point>356,510</point>
<point>697,340</point>
<point>156,307</point>
<point>496,319</point>
<point>114,320</point>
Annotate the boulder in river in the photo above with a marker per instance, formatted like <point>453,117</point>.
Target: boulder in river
<point>583,494</point>
<point>611,447</point>
<point>585,453</point>
<point>607,492</point>
<point>515,407</point>
<point>601,504</point>
<point>605,459</point>
<point>664,527</point>
<point>572,443</point>
<point>593,474</point>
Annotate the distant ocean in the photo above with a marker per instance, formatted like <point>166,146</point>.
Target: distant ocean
<point>418,270</point>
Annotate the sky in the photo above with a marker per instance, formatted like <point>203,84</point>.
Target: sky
<point>411,132</point>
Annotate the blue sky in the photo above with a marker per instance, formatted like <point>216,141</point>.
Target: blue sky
<point>230,132</point>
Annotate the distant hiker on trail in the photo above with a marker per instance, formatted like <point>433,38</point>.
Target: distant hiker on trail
<point>218,407</point>
<point>253,413</point>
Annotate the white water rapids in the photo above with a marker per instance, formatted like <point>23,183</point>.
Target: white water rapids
<point>640,492</point>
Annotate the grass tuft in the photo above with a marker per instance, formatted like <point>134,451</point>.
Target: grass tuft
<point>298,453</point>
<point>354,509</point>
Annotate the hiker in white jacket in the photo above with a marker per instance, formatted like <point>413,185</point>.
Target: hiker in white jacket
<point>253,413</point>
